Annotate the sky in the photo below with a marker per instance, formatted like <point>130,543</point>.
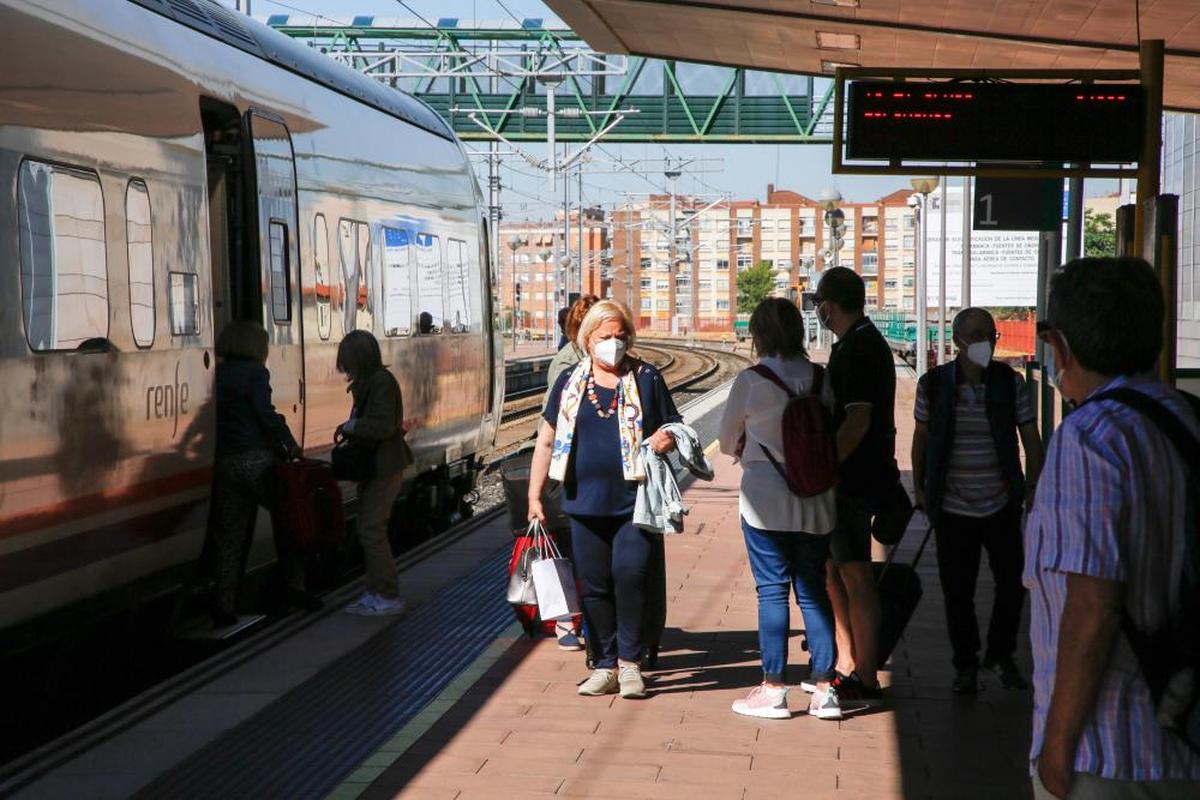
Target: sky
<point>741,172</point>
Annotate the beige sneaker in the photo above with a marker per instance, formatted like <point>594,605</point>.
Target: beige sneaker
<point>602,681</point>
<point>632,685</point>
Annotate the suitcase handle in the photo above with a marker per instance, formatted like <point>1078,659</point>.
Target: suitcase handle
<point>920,550</point>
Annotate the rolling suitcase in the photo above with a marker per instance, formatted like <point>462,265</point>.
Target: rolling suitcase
<point>308,504</point>
<point>899,593</point>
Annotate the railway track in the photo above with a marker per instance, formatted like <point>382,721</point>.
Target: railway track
<point>688,370</point>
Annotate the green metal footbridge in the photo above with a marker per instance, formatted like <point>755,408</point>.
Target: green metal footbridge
<point>499,74</point>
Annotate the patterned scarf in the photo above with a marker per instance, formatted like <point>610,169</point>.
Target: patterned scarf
<point>629,422</point>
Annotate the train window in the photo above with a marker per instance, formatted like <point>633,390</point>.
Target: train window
<point>185,303</point>
<point>354,252</point>
<point>458,314</point>
<point>397,282</point>
<point>281,290</point>
<point>64,272</point>
<point>324,291</point>
<point>429,284</point>
<point>139,239</point>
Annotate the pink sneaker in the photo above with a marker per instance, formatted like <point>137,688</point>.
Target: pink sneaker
<point>767,702</point>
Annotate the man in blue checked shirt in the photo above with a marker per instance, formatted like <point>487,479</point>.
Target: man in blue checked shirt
<point>1105,536</point>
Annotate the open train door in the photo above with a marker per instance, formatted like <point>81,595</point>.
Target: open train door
<point>274,181</point>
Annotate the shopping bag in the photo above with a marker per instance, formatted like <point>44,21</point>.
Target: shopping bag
<point>526,549</point>
<point>553,580</point>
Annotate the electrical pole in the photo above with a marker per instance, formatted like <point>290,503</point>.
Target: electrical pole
<point>580,270</point>
<point>672,175</point>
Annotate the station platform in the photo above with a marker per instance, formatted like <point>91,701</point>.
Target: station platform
<point>535,348</point>
<point>451,701</point>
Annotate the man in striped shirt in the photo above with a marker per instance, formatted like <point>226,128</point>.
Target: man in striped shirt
<point>967,470</point>
<point>1106,535</point>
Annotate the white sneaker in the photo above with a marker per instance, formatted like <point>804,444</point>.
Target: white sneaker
<point>767,702</point>
<point>633,686</point>
<point>360,606</point>
<point>385,607</point>
<point>825,705</point>
<point>602,681</point>
<point>809,686</point>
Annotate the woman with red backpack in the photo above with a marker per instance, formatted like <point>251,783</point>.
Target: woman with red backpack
<point>778,424</point>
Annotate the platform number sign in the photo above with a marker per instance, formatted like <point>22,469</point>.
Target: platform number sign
<point>1017,204</point>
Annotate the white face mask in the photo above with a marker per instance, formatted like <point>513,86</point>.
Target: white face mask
<point>980,353</point>
<point>610,351</point>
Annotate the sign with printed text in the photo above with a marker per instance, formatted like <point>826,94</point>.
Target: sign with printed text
<point>1017,204</point>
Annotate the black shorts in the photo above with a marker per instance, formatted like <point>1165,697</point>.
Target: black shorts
<point>851,540</point>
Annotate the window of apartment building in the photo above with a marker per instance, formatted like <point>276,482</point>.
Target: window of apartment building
<point>722,305</point>
<point>909,241</point>
<point>889,283</point>
<point>909,222</point>
<point>908,281</point>
<point>722,263</point>
<point>647,304</point>
<point>870,260</point>
<point>891,224</point>
<point>663,284</point>
<point>647,283</point>
<point>663,305</point>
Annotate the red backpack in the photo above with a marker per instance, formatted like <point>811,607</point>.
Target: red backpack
<point>809,448</point>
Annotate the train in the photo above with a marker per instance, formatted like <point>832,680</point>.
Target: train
<point>169,166</point>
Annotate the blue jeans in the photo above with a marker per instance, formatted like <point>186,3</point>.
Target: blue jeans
<point>781,561</point>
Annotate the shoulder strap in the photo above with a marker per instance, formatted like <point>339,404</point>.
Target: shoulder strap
<point>766,372</point>
<point>1167,423</point>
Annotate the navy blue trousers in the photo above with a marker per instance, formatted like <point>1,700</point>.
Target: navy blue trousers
<point>612,563</point>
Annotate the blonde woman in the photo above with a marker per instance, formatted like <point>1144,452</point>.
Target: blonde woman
<point>598,414</point>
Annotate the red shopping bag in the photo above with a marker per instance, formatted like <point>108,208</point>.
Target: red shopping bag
<point>308,504</point>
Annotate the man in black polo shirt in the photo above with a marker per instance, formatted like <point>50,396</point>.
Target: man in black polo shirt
<point>863,374</point>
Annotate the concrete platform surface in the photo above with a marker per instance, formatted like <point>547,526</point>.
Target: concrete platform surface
<point>522,731</point>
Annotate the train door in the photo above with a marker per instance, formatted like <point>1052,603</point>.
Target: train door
<point>278,273</point>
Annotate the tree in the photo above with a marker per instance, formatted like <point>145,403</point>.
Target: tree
<point>754,285</point>
<point>1099,235</point>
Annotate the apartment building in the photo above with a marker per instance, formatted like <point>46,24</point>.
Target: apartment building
<point>531,258</point>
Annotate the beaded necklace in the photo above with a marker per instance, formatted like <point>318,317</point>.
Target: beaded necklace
<point>591,393</point>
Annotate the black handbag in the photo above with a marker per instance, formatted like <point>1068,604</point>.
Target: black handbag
<point>353,459</point>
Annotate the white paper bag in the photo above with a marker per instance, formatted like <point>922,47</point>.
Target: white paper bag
<point>555,585</point>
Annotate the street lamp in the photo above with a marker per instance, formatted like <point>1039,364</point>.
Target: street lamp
<point>835,219</point>
<point>514,244</point>
<point>922,186</point>
<point>564,269</point>
<point>545,256</point>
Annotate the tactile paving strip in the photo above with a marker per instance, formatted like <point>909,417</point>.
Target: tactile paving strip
<point>305,743</point>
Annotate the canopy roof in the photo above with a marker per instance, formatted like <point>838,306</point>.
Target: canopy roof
<point>814,36</point>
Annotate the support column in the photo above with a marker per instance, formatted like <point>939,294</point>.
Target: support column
<point>967,212</point>
<point>941,331</point>
<point>922,298</point>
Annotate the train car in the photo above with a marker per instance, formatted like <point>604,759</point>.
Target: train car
<point>168,166</point>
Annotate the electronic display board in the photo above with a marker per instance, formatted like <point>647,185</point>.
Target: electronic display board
<point>1055,122</point>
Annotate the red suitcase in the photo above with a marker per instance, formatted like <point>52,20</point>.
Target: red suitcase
<point>308,504</point>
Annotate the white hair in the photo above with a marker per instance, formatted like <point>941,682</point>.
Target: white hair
<point>600,313</point>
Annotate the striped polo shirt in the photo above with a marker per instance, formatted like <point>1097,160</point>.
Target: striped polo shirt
<point>1111,504</point>
<point>975,485</point>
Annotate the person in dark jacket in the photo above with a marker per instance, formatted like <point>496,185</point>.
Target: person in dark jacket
<point>599,413</point>
<point>377,417</point>
<point>967,471</point>
<point>252,439</point>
